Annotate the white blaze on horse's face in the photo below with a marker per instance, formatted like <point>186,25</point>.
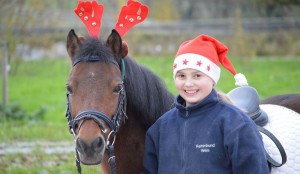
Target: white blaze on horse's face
<point>91,75</point>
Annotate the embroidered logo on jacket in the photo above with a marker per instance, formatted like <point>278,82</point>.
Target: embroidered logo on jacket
<point>205,147</point>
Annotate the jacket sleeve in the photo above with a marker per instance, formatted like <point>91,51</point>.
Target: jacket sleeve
<point>150,161</point>
<point>246,150</point>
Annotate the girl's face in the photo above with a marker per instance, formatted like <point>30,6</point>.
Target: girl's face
<point>193,85</point>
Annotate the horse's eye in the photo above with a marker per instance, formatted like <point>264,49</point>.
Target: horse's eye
<point>69,89</point>
<point>118,88</point>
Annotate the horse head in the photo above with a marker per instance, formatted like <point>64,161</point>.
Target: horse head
<point>95,92</point>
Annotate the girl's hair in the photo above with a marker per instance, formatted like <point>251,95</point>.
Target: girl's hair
<point>224,97</point>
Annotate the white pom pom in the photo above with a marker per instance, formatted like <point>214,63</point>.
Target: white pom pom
<point>240,80</point>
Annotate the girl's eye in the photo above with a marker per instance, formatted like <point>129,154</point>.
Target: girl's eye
<point>118,88</point>
<point>197,75</point>
<point>180,75</point>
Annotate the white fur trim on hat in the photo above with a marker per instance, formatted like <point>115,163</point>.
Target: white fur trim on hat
<point>198,62</point>
<point>240,80</point>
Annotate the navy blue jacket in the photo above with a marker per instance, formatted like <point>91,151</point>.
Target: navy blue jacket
<point>210,137</point>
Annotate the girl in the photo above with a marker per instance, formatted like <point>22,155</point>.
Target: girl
<point>203,134</point>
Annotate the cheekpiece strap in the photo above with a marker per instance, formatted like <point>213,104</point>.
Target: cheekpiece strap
<point>112,159</point>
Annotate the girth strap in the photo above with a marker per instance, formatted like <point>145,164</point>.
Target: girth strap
<point>278,145</point>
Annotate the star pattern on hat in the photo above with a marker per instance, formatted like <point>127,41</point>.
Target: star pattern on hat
<point>175,66</point>
<point>204,53</point>
<point>208,67</point>
<point>199,63</point>
<point>184,62</point>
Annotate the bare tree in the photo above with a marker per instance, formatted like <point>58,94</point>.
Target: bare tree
<point>18,18</point>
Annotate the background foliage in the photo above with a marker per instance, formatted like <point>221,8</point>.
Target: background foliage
<point>262,27</point>
<point>262,35</point>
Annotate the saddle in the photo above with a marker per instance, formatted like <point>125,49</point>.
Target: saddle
<point>246,98</point>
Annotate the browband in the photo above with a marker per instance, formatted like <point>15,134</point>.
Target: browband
<point>95,58</point>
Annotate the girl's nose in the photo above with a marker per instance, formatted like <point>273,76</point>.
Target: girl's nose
<point>188,82</point>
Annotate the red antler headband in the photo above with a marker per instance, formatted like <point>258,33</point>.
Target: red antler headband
<point>90,13</point>
<point>131,14</point>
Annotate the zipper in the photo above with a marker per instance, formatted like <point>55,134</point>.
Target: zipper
<point>184,144</point>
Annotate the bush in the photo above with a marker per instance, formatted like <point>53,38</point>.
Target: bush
<point>14,112</point>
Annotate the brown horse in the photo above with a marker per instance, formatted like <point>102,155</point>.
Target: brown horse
<point>291,101</point>
<point>100,117</point>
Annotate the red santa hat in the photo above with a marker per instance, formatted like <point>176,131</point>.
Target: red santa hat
<point>205,53</point>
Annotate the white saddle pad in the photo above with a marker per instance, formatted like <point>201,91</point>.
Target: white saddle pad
<point>285,125</point>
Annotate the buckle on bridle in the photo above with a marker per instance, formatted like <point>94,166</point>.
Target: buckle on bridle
<point>111,136</point>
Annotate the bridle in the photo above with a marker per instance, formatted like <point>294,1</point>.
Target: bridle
<point>99,117</point>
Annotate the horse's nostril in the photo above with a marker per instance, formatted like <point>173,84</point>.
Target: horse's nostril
<point>80,145</point>
<point>98,144</point>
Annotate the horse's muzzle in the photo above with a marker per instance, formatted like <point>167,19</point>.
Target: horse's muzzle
<point>90,153</point>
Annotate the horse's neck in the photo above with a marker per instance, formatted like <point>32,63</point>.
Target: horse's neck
<point>147,99</point>
<point>129,146</point>
<point>146,93</point>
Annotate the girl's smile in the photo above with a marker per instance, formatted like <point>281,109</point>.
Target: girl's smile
<point>193,85</point>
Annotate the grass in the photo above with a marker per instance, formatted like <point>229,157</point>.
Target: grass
<point>273,77</point>
<point>270,76</point>
<point>41,163</point>
<point>42,84</point>
<point>33,131</point>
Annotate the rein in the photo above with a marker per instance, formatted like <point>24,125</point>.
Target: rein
<point>99,117</point>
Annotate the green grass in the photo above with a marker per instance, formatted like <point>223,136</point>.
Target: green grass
<point>34,131</point>
<point>41,163</point>
<point>270,76</point>
<point>42,83</point>
<point>273,77</point>
<point>38,84</point>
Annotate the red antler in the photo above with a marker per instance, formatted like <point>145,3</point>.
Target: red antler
<point>90,13</point>
<point>131,14</point>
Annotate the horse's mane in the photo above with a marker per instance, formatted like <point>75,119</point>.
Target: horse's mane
<point>146,93</point>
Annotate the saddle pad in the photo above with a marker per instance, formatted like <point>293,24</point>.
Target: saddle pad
<point>285,125</point>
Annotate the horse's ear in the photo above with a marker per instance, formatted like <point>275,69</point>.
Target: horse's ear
<point>114,42</point>
<point>73,43</point>
<point>124,49</point>
<point>81,38</point>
